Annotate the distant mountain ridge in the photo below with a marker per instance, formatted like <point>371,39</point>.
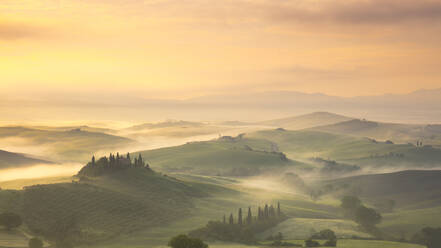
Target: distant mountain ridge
<point>421,106</point>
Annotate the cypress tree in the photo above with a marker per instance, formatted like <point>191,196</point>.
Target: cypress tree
<point>231,220</point>
<point>140,162</point>
<point>272,212</point>
<point>265,212</point>
<point>239,218</point>
<point>249,217</point>
<point>278,209</point>
<point>224,220</point>
<point>259,214</point>
<point>93,160</point>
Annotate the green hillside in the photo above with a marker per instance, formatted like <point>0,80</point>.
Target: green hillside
<point>73,145</point>
<point>398,133</point>
<point>415,197</point>
<point>103,207</point>
<point>10,159</point>
<point>303,228</point>
<point>409,189</point>
<point>307,144</point>
<point>307,121</point>
<point>225,156</point>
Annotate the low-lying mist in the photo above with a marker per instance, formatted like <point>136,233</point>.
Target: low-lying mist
<point>39,171</point>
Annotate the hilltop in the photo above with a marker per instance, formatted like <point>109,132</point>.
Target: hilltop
<point>10,159</point>
<point>399,133</point>
<point>229,156</point>
<point>307,121</point>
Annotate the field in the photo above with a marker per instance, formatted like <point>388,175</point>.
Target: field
<point>405,223</point>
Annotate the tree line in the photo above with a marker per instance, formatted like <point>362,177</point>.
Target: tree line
<point>241,228</point>
<point>106,165</point>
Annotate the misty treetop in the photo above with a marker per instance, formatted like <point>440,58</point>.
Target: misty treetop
<point>106,165</point>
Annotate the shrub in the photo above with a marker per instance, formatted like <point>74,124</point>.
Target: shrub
<point>183,241</point>
<point>311,243</point>
<point>325,234</point>
<point>35,243</point>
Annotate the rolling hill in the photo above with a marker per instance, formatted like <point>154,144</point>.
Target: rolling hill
<point>416,196</point>
<point>411,189</point>
<point>165,124</point>
<point>307,121</point>
<point>398,133</point>
<point>10,159</point>
<point>174,129</point>
<point>232,156</point>
<point>103,207</point>
<point>306,144</point>
<point>73,145</point>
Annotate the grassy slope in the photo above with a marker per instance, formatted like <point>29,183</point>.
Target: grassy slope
<point>225,195</point>
<point>409,189</point>
<point>361,151</point>
<point>111,204</point>
<point>417,195</point>
<point>217,157</point>
<point>303,228</point>
<point>10,159</point>
<point>399,133</point>
<point>307,121</point>
<point>72,145</point>
<point>405,223</point>
<point>123,202</point>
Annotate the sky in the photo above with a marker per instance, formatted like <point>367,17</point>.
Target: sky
<point>189,48</point>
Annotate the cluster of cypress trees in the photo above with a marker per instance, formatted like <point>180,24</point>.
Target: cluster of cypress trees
<point>263,214</point>
<point>109,164</point>
<point>243,228</point>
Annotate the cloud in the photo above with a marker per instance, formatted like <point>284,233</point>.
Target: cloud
<point>358,12</point>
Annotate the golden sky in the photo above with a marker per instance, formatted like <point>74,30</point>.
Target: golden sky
<point>186,48</point>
